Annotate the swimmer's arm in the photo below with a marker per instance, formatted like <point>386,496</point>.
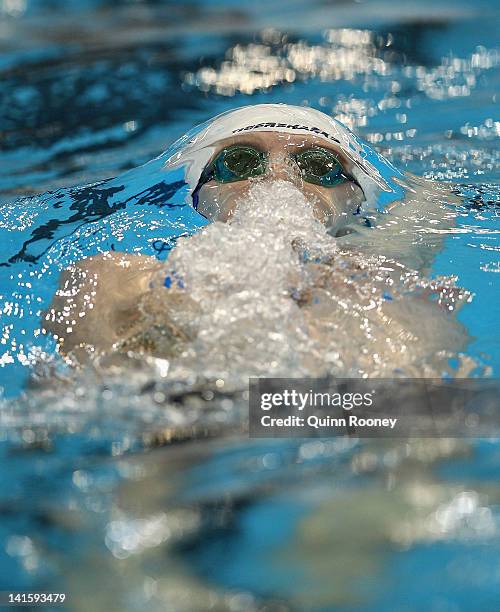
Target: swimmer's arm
<point>97,301</point>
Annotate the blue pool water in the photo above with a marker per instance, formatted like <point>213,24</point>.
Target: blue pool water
<point>93,499</point>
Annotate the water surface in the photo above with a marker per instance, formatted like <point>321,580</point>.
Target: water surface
<point>92,89</point>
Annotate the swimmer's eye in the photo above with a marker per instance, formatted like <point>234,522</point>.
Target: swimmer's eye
<point>320,167</point>
<point>238,163</point>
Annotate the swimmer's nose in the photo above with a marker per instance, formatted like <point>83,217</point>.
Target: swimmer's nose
<point>283,168</point>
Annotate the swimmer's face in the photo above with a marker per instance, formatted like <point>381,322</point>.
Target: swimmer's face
<point>320,170</point>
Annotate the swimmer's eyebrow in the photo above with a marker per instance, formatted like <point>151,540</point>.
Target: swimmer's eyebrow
<point>231,142</point>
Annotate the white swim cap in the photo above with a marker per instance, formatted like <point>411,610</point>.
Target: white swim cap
<point>374,173</point>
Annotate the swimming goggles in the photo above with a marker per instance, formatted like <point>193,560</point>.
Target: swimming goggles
<point>241,162</point>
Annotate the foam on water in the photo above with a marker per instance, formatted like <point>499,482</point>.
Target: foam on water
<point>242,275</point>
<point>271,293</point>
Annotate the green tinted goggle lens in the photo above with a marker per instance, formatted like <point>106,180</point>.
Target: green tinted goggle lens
<point>239,163</point>
<point>320,167</point>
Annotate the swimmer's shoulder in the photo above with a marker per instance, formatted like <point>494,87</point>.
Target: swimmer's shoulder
<point>109,280</point>
<point>117,260</point>
<point>97,299</point>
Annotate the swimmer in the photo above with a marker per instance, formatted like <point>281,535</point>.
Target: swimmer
<point>118,302</point>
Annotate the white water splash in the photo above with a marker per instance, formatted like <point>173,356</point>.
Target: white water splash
<point>272,294</point>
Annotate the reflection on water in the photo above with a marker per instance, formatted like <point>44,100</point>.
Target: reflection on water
<point>146,492</point>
